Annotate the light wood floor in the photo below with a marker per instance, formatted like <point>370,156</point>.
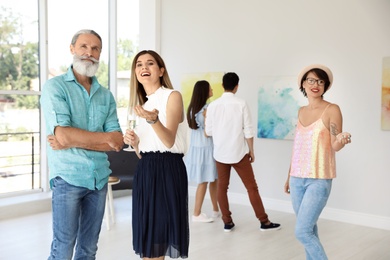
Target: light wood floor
<point>29,238</point>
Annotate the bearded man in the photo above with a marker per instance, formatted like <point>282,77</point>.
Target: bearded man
<point>82,123</point>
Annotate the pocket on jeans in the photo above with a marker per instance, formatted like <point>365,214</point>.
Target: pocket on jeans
<point>57,181</point>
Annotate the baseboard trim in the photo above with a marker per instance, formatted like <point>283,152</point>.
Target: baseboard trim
<point>350,217</point>
<point>19,206</point>
<point>29,204</point>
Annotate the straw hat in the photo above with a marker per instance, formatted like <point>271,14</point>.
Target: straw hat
<point>316,66</point>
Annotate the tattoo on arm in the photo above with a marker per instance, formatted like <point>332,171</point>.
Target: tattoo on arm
<point>333,129</point>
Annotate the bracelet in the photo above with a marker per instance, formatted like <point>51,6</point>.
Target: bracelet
<point>152,121</point>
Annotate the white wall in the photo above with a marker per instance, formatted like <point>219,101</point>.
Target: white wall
<point>272,38</point>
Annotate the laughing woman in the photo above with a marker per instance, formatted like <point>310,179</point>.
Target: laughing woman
<point>160,188</point>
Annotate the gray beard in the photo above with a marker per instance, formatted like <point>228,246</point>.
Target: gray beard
<point>85,68</point>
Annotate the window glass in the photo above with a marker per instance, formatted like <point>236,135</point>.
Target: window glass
<point>65,18</point>
<point>20,139</point>
<point>19,95</point>
<point>20,146</point>
<point>128,42</point>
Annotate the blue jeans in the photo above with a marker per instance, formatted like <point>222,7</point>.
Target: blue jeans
<point>77,215</point>
<point>309,197</point>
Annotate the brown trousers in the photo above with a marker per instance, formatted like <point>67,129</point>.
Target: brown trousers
<point>245,171</point>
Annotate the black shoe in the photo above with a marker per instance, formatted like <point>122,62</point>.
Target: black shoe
<point>270,227</point>
<point>228,227</point>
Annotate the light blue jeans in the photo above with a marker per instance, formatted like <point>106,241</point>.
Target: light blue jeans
<point>77,215</point>
<point>309,197</point>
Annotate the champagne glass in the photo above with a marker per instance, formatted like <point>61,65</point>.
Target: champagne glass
<point>132,121</point>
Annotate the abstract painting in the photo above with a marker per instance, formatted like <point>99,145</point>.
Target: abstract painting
<point>385,120</point>
<point>279,99</point>
<point>189,80</point>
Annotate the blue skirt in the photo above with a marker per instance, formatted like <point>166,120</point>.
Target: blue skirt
<point>160,206</point>
<point>199,161</point>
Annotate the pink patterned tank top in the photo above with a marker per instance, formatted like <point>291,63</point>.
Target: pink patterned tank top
<point>313,155</point>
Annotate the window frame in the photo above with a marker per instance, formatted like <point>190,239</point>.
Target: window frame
<point>44,76</point>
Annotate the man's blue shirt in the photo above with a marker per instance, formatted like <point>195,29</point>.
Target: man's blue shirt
<point>66,103</point>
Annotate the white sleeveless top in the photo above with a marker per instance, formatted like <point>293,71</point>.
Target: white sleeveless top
<point>149,141</point>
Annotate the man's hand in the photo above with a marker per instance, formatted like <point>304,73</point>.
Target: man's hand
<point>251,156</point>
<point>115,141</point>
<point>54,144</point>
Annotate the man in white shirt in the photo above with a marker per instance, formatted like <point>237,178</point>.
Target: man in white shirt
<point>228,121</point>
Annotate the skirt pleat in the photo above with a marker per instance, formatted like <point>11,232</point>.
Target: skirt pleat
<point>160,206</point>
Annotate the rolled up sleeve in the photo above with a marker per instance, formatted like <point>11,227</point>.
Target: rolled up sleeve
<point>54,106</point>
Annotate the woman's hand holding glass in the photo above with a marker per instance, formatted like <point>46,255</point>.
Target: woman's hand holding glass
<point>130,136</point>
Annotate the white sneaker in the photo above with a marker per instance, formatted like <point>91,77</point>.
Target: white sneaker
<point>202,218</point>
<point>216,214</point>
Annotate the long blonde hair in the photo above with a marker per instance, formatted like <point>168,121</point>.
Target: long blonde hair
<point>137,91</point>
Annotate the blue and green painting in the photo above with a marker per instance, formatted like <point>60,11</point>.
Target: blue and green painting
<point>279,99</point>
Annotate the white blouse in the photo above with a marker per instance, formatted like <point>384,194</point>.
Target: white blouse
<point>149,141</point>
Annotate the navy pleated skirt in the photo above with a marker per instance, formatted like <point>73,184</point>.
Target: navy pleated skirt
<point>160,206</point>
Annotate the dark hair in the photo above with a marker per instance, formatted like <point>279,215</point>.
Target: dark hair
<point>137,91</point>
<point>200,94</point>
<point>230,81</point>
<point>85,31</point>
<point>321,75</point>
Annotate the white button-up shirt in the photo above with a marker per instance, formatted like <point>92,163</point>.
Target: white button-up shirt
<point>229,122</point>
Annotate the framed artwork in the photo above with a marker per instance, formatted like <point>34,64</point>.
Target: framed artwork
<point>189,80</point>
<point>385,119</point>
<point>279,99</point>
